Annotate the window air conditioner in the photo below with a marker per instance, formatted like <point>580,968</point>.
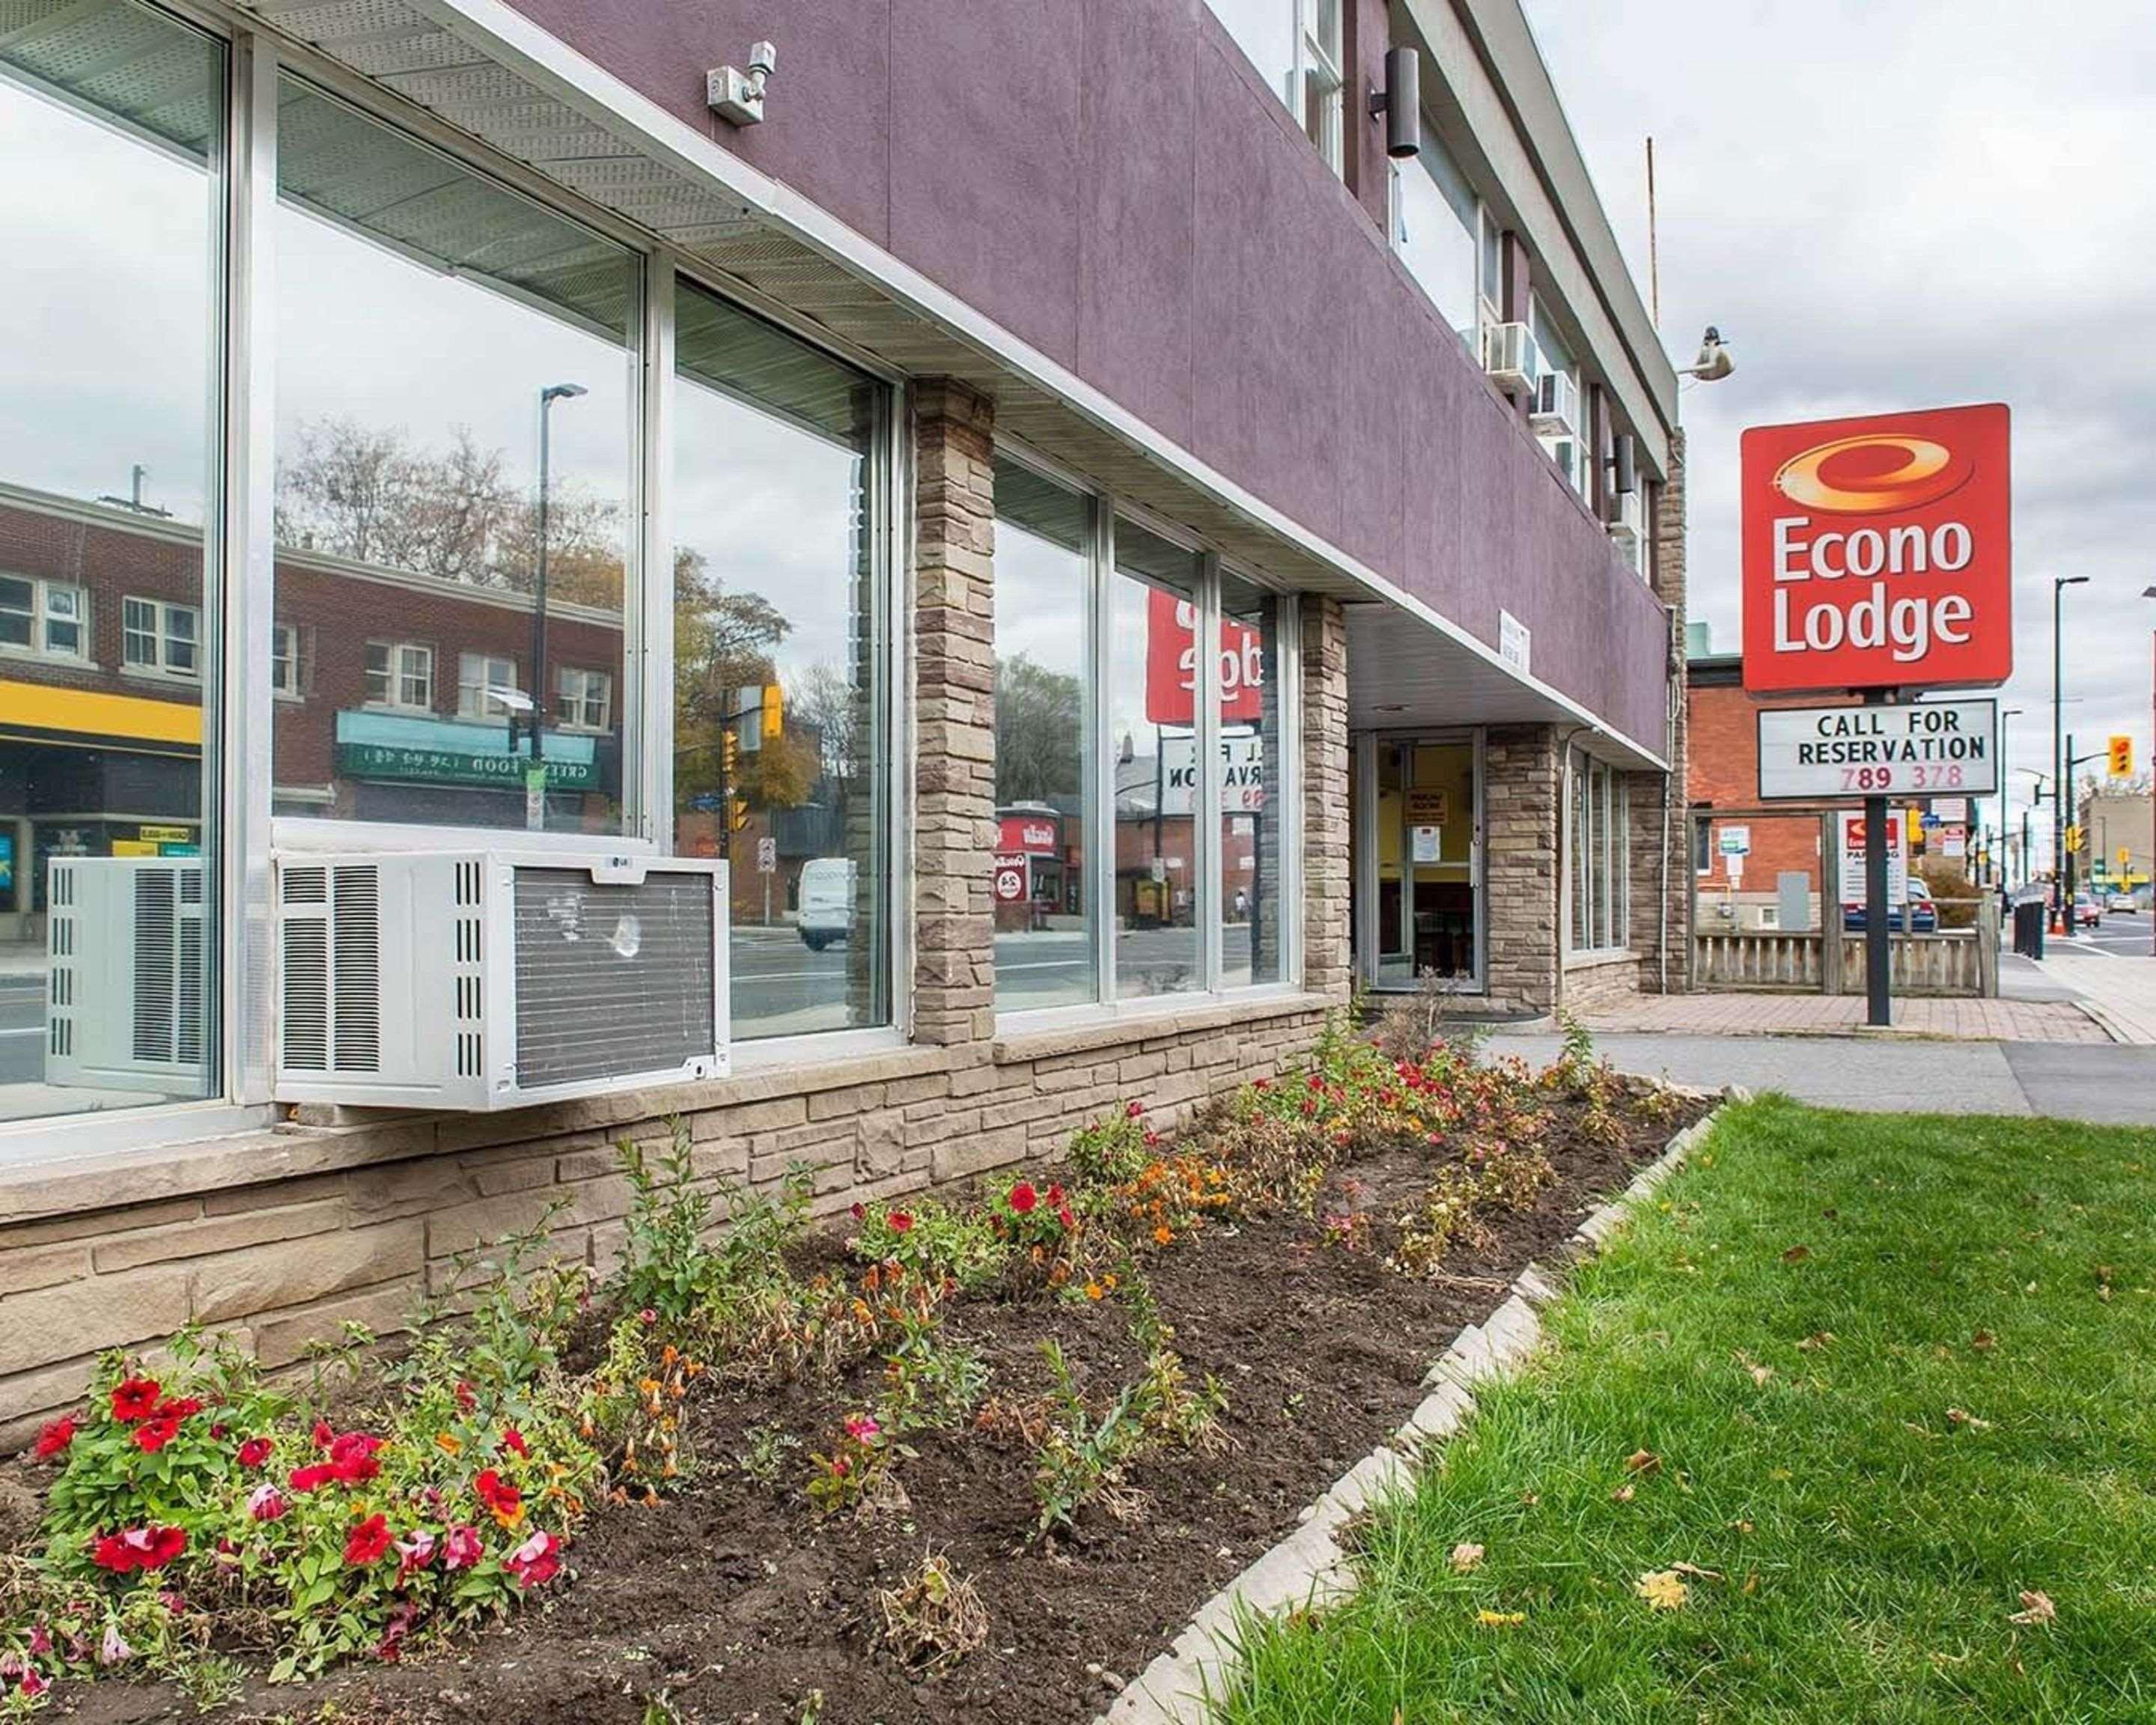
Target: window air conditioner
<point>476,979</point>
<point>1510,357</point>
<point>123,942</point>
<point>1556,409</point>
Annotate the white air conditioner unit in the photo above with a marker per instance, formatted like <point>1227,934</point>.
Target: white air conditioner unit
<point>124,946</point>
<point>478,979</point>
<point>1555,409</point>
<point>1510,357</point>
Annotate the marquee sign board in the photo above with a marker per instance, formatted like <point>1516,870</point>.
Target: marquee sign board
<point>1878,553</point>
<point>1823,754</point>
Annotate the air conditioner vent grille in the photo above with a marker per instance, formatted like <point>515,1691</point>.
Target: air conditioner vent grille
<point>306,995</point>
<point>612,979</point>
<point>356,978</point>
<point>156,943</point>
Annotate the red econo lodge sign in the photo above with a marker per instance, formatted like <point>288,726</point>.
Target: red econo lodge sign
<point>1878,553</point>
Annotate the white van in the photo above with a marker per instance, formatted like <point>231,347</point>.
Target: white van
<point>825,912</point>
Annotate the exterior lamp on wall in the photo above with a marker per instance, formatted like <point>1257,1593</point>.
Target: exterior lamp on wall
<point>1715,361</point>
<point>1400,103</point>
<point>738,96</point>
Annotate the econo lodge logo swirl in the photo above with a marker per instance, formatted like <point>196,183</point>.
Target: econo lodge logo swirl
<point>1865,476</point>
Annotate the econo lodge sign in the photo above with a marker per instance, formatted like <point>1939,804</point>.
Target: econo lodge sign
<point>1878,553</point>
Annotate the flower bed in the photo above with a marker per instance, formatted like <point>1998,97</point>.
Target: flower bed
<point>976,1459</point>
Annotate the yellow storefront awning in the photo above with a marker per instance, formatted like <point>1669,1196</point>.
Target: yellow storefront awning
<point>84,718</point>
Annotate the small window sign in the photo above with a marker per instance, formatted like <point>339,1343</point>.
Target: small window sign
<point>1515,645</point>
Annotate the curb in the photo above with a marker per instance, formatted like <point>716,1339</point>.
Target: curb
<point>1308,1568</point>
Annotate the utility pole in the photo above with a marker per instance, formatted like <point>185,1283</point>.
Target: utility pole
<point>1878,950</point>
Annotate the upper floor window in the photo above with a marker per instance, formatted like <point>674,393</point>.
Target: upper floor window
<point>1436,229</point>
<point>43,617</point>
<point>400,673</point>
<point>1558,419</point>
<point>284,667</point>
<point>584,699</point>
<point>160,637</point>
<point>1297,44</point>
<point>482,680</point>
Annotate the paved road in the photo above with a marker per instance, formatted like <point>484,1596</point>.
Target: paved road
<point>2102,1083</point>
<point>2122,934</point>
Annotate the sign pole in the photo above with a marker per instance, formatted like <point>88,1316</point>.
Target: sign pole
<point>1878,950</point>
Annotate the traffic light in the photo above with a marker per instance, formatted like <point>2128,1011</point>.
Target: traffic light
<point>2073,838</point>
<point>774,710</point>
<point>738,809</point>
<point>729,754</point>
<point>2122,758</point>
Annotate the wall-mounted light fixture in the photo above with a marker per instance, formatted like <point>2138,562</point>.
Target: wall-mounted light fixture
<point>1400,103</point>
<point>738,96</point>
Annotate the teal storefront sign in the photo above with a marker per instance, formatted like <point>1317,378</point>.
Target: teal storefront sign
<point>422,751</point>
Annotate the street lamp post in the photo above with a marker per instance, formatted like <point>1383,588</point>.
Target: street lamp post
<point>2005,794</point>
<point>2059,583</point>
<point>535,775</point>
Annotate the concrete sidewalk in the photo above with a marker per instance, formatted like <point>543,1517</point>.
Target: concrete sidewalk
<point>2119,993</point>
<point>2056,1020</point>
<point>2102,1083</point>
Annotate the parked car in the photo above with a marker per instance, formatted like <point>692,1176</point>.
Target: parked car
<point>825,909</point>
<point>2122,901</point>
<point>1923,912</point>
<point>2085,913</point>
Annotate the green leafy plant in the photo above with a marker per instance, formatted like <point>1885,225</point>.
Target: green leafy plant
<point>933,1240</point>
<point>1083,1456</point>
<point>1109,1150</point>
<point>667,1266</point>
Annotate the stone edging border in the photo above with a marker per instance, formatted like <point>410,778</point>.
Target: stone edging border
<point>1308,1568</point>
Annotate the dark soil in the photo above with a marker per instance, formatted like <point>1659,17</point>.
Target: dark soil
<point>736,1603</point>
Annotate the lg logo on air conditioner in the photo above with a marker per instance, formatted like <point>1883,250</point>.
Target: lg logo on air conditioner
<point>1877,553</point>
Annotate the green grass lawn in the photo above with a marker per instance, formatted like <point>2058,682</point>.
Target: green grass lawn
<point>1894,1372</point>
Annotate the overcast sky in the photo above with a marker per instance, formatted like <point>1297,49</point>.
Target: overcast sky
<point>1918,205</point>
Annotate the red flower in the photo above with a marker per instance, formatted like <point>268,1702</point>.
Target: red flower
<point>179,1410</point>
<point>499,1495</point>
<point>139,1548</point>
<point>1065,1218</point>
<point>56,1437</point>
<point>1022,1197</point>
<point>1056,1195</point>
<point>135,1399</point>
<point>513,1439</point>
<point>858,1210</point>
<point>467,1399</point>
<point>368,1541</point>
<point>153,1434</point>
<point>900,1222</point>
<point>1134,1111</point>
<point>314,1476</point>
<point>323,1434</point>
<point>255,1452</point>
<point>537,1560</point>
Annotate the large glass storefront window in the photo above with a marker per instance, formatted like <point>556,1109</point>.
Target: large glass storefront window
<point>1152,681</point>
<point>110,121</point>
<point>456,429</point>
<point>1436,219</point>
<point>1045,943</point>
<point>1250,777</point>
<point>779,672</point>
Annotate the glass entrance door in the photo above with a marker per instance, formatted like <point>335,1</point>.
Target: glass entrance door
<point>1418,873</point>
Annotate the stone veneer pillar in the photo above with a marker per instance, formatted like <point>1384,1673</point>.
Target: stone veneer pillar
<point>1325,769</point>
<point>1661,859</point>
<point>1522,792</point>
<point>954,727</point>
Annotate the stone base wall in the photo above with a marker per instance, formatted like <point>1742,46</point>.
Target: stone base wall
<point>281,1238</point>
<point>1589,985</point>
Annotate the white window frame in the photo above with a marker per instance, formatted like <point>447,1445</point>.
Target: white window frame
<point>399,658</point>
<point>287,675</point>
<point>1205,848</point>
<point>1482,295</point>
<point>473,702</point>
<point>1598,858</point>
<point>42,619</point>
<point>572,686</point>
<point>162,638</point>
<point>1320,71</point>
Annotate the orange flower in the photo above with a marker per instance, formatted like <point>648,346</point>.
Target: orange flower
<point>1164,1234</point>
<point>1094,1291</point>
<point>447,1444</point>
